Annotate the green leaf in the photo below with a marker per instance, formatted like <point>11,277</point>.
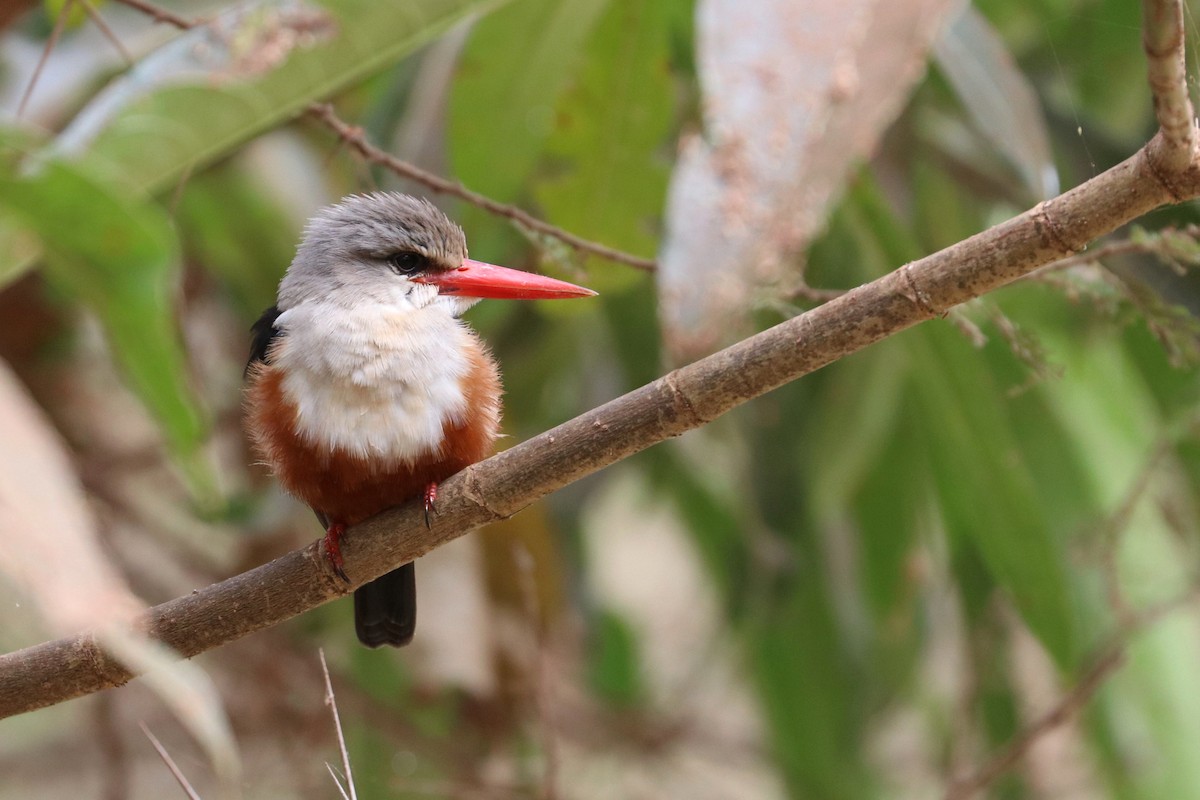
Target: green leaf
<point>118,256</point>
<point>608,179</point>
<point>511,73</point>
<point>850,424</point>
<point>75,17</point>
<point>890,504</point>
<point>232,228</point>
<point>251,69</point>
<point>809,693</point>
<point>19,249</point>
<point>985,487</point>
<point>615,669</point>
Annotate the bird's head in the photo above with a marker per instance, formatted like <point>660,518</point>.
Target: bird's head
<point>393,248</point>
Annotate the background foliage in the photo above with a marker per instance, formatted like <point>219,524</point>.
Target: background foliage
<point>861,585</point>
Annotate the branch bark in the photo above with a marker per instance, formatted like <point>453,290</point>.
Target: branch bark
<point>1163,42</point>
<point>687,398</point>
<point>355,139</point>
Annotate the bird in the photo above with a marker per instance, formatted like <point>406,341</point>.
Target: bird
<point>365,388</point>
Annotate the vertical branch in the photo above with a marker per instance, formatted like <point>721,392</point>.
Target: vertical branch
<point>1163,41</point>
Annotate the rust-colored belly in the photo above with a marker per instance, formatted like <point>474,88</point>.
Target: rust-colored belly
<point>348,489</point>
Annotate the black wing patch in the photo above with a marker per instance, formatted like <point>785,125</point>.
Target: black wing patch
<point>265,333</point>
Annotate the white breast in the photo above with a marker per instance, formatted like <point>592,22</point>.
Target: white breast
<point>375,381</point>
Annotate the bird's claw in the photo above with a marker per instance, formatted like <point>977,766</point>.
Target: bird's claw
<point>333,549</point>
<point>430,503</point>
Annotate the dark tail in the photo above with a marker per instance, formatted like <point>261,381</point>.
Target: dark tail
<point>385,610</point>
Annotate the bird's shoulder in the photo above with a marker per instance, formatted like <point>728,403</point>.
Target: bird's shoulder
<point>264,333</point>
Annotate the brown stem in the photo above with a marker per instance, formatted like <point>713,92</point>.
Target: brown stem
<point>354,138</point>
<point>1107,660</point>
<point>60,22</point>
<point>1063,711</point>
<point>1163,41</point>
<point>158,13</point>
<point>677,402</point>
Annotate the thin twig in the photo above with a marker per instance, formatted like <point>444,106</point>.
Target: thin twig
<point>170,762</point>
<point>337,781</point>
<point>337,724</point>
<point>1118,521</point>
<point>98,20</point>
<point>60,22</point>
<point>813,294</point>
<point>1092,256</point>
<point>1109,659</point>
<point>158,13</point>
<point>1062,712</point>
<point>354,138</point>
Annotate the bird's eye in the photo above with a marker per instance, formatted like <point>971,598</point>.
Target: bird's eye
<point>406,263</point>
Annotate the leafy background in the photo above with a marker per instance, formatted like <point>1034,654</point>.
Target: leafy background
<point>861,585</point>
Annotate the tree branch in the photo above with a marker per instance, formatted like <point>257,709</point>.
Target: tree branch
<point>677,402</point>
<point>159,14</point>
<point>353,137</point>
<point>1163,41</point>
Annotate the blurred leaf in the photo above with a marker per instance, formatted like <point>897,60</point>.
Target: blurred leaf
<point>985,487</point>
<point>54,553</point>
<point>235,231</point>
<point>19,249</point>
<point>808,694</point>
<point>999,98</point>
<point>890,503</point>
<point>615,670</point>
<point>1158,693</point>
<point>510,75</point>
<point>608,179</point>
<point>119,256</point>
<point>19,245</point>
<point>58,559</point>
<point>712,521</point>
<point>250,69</point>
<point>1160,696</point>
<point>851,423</point>
<point>75,17</point>
<point>795,94</point>
<point>516,63</point>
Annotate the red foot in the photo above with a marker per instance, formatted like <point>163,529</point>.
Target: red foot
<point>333,549</point>
<point>430,502</point>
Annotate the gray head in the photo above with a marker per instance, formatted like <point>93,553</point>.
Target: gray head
<point>364,248</point>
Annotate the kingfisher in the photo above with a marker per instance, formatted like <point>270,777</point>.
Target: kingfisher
<point>365,388</point>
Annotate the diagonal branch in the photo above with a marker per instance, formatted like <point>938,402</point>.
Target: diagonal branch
<point>1067,708</point>
<point>1104,664</point>
<point>353,137</point>
<point>677,402</point>
<point>159,14</point>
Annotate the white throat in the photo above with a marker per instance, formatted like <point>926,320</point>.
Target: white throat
<point>375,380</point>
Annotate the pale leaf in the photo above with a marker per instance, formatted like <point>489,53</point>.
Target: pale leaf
<point>795,94</point>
